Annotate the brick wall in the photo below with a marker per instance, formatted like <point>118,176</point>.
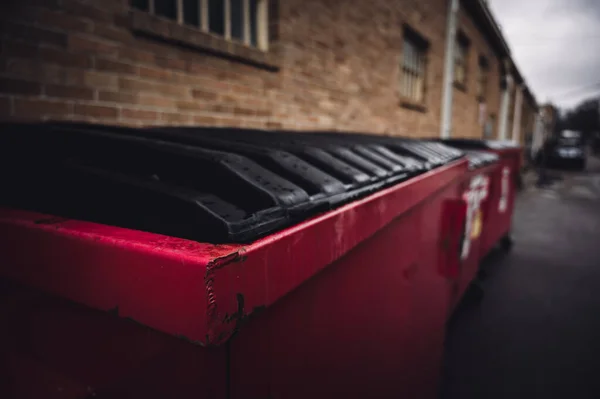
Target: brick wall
<point>466,109</point>
<point>338,69</point>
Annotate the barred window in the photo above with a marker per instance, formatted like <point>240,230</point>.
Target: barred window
<point>243,21</point>
<point>482,78</point>
<point>414,63</point>
<point>461,56</point>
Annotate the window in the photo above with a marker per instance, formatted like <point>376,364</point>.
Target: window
<point>414,62</point>
<point>488,131</point>
<point>482,78</point>
<point>461,54</point>
<point>243,21</point>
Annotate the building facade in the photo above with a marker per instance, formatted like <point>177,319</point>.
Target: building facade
<point>373,66</point>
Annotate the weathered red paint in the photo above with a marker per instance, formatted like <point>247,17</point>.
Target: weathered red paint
<point>54,348</point>
<point>469,266</point>
<point>498,223</point>
<point>355,301</point>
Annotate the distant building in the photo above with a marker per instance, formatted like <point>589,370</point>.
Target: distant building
<point>550,116</point>
<point>377,66</point>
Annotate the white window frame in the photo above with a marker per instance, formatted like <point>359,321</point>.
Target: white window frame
<point>412,80</point>
<point>262,20</point>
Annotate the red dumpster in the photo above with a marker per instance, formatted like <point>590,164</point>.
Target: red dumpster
<point>483,167</point>
<point>503,189</point>
<point>162,264</point>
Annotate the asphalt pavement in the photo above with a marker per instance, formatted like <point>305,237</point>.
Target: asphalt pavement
<point>536,332</point>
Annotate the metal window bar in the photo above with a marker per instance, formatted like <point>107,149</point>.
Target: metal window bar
<point>262,17</point>
<point>246,22</point>
<point>262,25</point>
<point>180,12</point>
<point>413,65</point>
<point>203,15</point>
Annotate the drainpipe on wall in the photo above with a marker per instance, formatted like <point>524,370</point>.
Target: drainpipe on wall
<point>503,122</point>
<point>516,128</point>
<point>446,127</point>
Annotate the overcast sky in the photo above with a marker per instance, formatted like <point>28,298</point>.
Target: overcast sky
<point>554,44</point>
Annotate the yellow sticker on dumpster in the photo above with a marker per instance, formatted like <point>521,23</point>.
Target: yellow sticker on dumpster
<point>477,225</point>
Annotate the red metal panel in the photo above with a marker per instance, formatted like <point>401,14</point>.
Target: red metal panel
<point>54,348</point>
<point>503,190</point>
<point>353,331</point>
<point>353,294</point>
<point>476,191</point>
<point>156,280</point>
<point>186,288</point>
<point>274,266</point>
<point>370,325</point>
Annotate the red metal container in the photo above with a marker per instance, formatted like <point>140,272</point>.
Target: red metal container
<point>504,194</point>
<point>477,186</point>
<point>350,302</point>
<point>503,189</point>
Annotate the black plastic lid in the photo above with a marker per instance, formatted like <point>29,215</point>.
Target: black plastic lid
<point>479,159</point>
<point>480,144</point>
<point>207,184</point>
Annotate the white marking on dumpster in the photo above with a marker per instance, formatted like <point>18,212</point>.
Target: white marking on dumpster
<point>505,187</point>
<point>474,196</point>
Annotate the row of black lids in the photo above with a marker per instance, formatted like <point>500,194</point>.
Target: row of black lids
<point>208,184</point>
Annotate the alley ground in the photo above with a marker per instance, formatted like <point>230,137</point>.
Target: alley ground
<point>536,333</point>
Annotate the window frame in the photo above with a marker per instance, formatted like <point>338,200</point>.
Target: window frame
<point>262,21</point>
<point>462,46</point>
<point>415,97</point>
<point>483,78</point>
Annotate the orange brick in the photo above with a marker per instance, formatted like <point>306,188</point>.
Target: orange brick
<point>136,85</point>
<point>114,34</point>
<point>103,64</point>
<point>168,89</point>
<point>172,63</point>
<point>100,80</point>
<point>175,117</point>
<point>90,78</point>
<point>128,53</point>
<point>79,43</point>
<point>243,111</point>
<point>96,111</point>
<point>205,120</point>
<point>203,94</point>
<point>79,93</point>
<point>36,108</point>
<point>139,114</point>
<point>274,125</point>
<point>191,105</point>
<point>153,73</point>
<point>155,101</point>
<point>221,108</point>
<point>117,97</point>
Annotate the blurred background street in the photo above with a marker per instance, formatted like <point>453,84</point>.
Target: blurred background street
<point>536,332</point>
